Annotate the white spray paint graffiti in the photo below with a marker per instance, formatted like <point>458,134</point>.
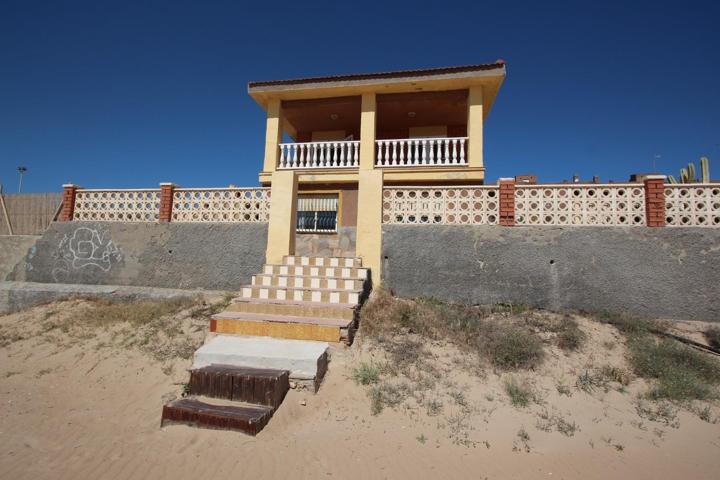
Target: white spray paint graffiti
<point>85,248</point>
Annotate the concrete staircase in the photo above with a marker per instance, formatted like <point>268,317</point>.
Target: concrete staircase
<point>276,331</point>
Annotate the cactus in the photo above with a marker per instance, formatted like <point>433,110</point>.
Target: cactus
<point>704,170</point>
<point>684,175</point>
<point>692,177</point>
<point>671,179</point>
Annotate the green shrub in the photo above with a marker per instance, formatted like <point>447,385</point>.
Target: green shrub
<point>520,395</point>
<point>570,337</point>
<point>366,373</point>
<point>512,347</point>
<point>712,335</point>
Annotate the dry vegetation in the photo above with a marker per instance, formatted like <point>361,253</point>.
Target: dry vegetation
<point>419,347</point>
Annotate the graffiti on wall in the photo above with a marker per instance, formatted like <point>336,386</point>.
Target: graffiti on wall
<point>85,249</point>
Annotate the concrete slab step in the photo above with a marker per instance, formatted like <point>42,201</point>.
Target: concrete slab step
<point>323,261</point>
<point>250,419</point>
<point>316,271</point>
<point>307,281</point>
<point>319,295</point>
<point>259,386</point>
<point>293,308</point>
<point>305,360</point>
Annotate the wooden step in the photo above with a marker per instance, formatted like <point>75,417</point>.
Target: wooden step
<point>320,295</point>
<point>279,326</point>
<point>307,281</point>
<point>260,386</point>
<point>315,271</point>
<point>248,419</point>
<point>292,308</point>
<point>323,261</point>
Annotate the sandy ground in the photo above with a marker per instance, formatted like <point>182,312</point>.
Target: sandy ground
<point>85,409</point>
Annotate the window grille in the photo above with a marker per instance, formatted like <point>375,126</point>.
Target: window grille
<point>317,213</point>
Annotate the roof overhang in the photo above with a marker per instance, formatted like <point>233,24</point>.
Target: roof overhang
<point>490,76</point>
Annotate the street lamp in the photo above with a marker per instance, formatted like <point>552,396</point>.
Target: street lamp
<point>21,171</point>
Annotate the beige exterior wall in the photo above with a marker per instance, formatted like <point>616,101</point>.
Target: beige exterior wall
<point>369,228</point>
<point>475,127</point>
<point>283,216</point>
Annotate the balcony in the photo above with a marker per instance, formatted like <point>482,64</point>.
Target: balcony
<point>311,155</point>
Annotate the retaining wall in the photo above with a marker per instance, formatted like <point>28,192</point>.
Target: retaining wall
<point>13,249</point>
<point>213,256</point>
<point>659,272</point>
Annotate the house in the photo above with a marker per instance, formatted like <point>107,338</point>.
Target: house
<point>333,142</point>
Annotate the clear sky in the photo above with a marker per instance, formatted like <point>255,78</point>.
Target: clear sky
<point>133,93</point>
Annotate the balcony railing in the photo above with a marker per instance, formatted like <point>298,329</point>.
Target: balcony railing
<point>345,154</point>
<point>421,152</point>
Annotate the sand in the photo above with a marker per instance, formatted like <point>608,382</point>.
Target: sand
<point>87,409</point>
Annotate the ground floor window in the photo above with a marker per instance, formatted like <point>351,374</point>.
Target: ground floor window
<point>317,213</point>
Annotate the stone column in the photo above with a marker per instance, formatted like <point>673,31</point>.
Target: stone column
<point>283,216</point>
<point>273,135</point>
<point>655,200</point>
<point>475,127</point>
<point>68,204</point>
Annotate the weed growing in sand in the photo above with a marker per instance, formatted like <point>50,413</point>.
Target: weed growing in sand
<point>43,372</point>
<point>106,312</point>
<point>570,337</point>
<point>548,421</point>
<point>520,394</point>
<point>661,412</point>
<point>681,373</point>
<point>421,438</point>
<point>564,390</point>
<point>366,374</point>
<point>387,394</point>
<point>712,335</point>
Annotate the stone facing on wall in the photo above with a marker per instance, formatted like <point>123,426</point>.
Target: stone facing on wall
<point>657,272</point>
<point>340,244</point>
<point>172,255</point>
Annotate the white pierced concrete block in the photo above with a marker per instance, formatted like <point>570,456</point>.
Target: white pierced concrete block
<point>334,262</point>
<point>363,272</point>
<point>316,296</point>
<point>346,272</point>
<point>349,262</point>
<point>314,283</point>
<point>329,272</point>
<point>282,281</point>
<point>332,283</point>
<point>281,294</point>
<point>298,295</point>
<point>334,297</point>
<point>349,284</point>
<point>246,292</point>
<point>300,357</point>
<point>284,270</point>
<point>268,269</point>
<point>353,298</point>
<point>304,261</point>
<point>314,272</point>
<point>267,281</point>
<point>298,270</point>
<point>264,293</point>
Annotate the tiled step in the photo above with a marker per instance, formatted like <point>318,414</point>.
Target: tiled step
<point>333,296</point>
<point>260,386</point>
<point>315,271</point>
<point>249,419</point>
<point>279,326</point>
<point>297,281</point>
<point>303,359</point>
<point>323,261</point>
<point>292,308</point>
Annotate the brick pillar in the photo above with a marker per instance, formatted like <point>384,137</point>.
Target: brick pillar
<point>507,201</point>
<point>166,201</point>
<point>68,203</point>
<point>655,200</point>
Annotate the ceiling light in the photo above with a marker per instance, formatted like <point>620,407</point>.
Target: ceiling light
<point>333,116</point>
<point>411,114</point>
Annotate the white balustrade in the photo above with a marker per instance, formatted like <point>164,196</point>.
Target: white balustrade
<point>340,154</point>
<point>692,205</point>
<point>421,152</point>
<point>236,205</point>
<point>610,204</point>
<point>478,205</point>
<point>117,205</point>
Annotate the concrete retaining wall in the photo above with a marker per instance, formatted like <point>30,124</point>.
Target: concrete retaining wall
<point>659,272</point>
<point>13,249</point>
<point>171,255</point>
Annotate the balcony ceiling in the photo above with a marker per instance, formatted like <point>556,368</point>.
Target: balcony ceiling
<point>339,113</point>
<point>403,110</point>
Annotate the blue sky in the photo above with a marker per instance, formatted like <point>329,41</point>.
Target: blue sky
<point>129,94</point>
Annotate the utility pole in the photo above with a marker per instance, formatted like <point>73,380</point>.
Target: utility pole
<point>21,170</point>
<point>656,157</point>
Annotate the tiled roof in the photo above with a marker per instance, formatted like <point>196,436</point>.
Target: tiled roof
<point>498,64</point>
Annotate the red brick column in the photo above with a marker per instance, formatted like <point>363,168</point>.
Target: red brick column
<point>507,201</point>
<point>68,203</point>
<point>655,200</point>
<point>166,201</point>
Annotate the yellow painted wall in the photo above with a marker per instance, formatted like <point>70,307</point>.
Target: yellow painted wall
<point>369,228</point>
<point>367,131</point>
<point>475,126</point>
<point>273,135</point>
<point>283,216</point>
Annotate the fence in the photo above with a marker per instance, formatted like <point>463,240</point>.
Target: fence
<point>631,204</point>
<point>168,203</point>
<point>28,213</point>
